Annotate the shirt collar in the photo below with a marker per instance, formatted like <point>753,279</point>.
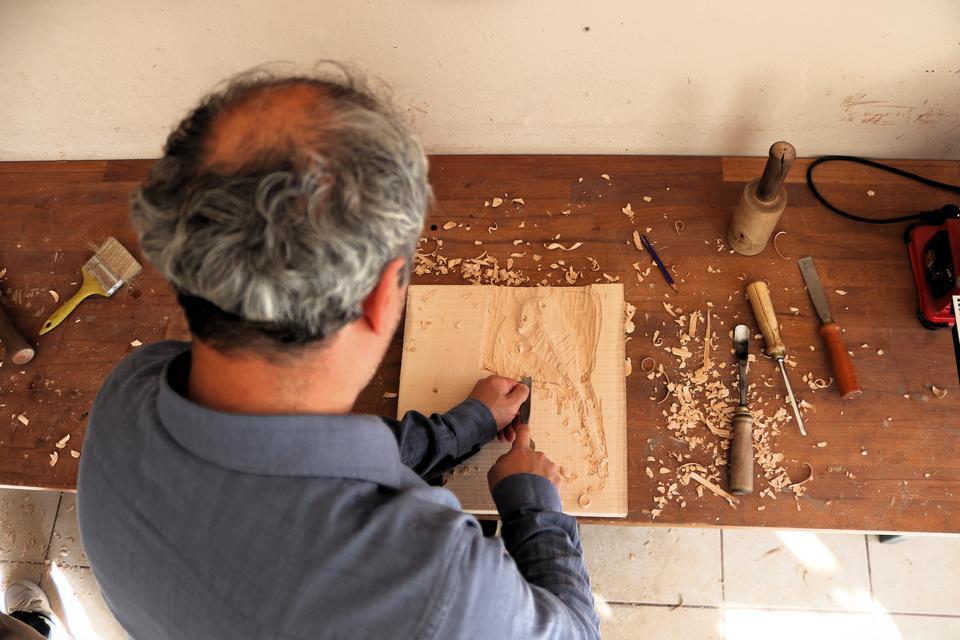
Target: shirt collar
<point>357,447</point>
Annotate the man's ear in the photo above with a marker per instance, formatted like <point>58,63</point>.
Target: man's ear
<point>379,308</point>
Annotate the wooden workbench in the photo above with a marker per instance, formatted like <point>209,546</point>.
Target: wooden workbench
<point>893,457</point>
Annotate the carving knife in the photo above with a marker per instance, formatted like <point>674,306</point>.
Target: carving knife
<point>843,370</point>
<point>524,415</point>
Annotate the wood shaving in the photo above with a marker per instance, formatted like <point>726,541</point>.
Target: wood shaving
<point>610,278</point>
<point>594,265</point>
<point>585,500</point>
<point>871,192</point>
<point>776,247</point>
<point>53,458</point>
<point>389,394</point>
<point>54,295</point>
<point>821,445</point>
<point>643,365</point>
<point>628,211</point>
<point>647,199</point>
<point>879,352</point>
<point>135,343</point>
<point>496,202</point>
<point>636,240</point>
<point>657,341</point>
<point>679,226</point>
<point>62,442</point>
<point>937,391</point>
<point>23,419</point>
<point>627,367</point>
<point>449,225</point>
<point>74,453</point>
<point>714,488</point>
<point>556,245</point>
<point>518,201</point>
<point>669,309</point>
<point>605,177</point>
<point>493,227</point>
<point>698,414</point>
<point>840,292</point>
<point>629,310</point>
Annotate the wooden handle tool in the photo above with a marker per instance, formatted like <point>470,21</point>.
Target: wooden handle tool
<point>773,344</point>
<point>18,350</point>
<point>741,444</point>
<point>741,452</point>
<point>759,295</point>
<point>762,203</point>
<point>843,371</point>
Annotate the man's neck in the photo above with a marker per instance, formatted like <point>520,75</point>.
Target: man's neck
<point>248,384</point>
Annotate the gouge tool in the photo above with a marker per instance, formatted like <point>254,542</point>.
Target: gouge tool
<point>741,446</point>
<point>773,344</point>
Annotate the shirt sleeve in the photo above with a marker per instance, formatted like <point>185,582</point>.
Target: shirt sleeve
<point>432,445</point>
<point>539,591</point>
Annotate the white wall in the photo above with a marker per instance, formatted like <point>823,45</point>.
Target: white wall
<point>100,79</point>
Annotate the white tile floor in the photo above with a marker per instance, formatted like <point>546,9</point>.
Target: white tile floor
<point>649,583</point>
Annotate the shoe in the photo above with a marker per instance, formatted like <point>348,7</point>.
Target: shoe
<point>23,595</point>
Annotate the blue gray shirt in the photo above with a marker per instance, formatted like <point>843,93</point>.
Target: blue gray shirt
<point>202,524</point>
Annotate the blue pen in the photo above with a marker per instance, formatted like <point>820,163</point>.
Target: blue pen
<point>656,258</point>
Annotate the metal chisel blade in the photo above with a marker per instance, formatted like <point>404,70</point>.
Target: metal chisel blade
<point>815,289</point>
<point>525,407</point>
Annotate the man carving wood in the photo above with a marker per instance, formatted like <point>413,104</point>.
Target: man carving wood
<point>226,489</point>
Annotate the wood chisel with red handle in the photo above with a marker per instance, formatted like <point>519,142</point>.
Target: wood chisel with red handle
<point>843,370</point>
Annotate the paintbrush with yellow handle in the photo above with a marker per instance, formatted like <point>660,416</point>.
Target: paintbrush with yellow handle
<point>109,268</point>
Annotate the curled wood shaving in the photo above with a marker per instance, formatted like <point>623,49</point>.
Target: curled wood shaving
<point>54,295</point>
<point>493,227</point>
<point>585,500</point>
<point>657,340</point>
<point>679,226</point>
<point>518,201</point>
<point>594,265</point>
<point>62,442</point>
<point>557,245</point>
<point>643,365</point>
<point>937,391</point>
<point>776,247</point>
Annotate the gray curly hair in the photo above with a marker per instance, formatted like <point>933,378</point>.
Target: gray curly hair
<point>285,239</point>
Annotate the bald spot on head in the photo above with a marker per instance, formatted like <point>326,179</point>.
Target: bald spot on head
<point>265,124</point>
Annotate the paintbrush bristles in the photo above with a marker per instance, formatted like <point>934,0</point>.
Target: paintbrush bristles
<point>119,260</point>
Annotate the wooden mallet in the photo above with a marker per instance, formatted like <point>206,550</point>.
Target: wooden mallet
<point>18,350</point>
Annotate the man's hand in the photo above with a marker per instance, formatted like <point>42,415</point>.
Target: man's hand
<point>522,459</point>
<point>503,397</point>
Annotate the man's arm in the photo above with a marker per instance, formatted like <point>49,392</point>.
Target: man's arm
<point>432,445</point>
<point>541,590</point>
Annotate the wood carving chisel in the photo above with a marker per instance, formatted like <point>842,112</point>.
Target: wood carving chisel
<point>843,369</point>
<point>524,415</point>
<point>741,444</point>
<point>759,296</point>
<point>18,350</point>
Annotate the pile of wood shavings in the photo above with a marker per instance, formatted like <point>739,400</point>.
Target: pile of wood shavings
<point>702,400</point>
<point>483,269</point>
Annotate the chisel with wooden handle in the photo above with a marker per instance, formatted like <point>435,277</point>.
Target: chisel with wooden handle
<point>843,370</point>
<point>759,296</point>
<point>741,443</point>
<point>18,350</point>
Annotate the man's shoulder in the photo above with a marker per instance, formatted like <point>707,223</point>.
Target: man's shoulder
<point>144,364</point>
